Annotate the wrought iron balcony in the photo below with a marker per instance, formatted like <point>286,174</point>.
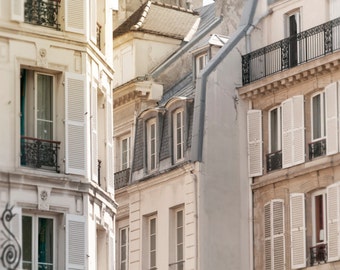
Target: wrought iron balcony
<point>318,254</point>
<point>42,12</point>
<point>317,149</point>
<point>37,153</point>
<point>289,52</point>
<point>122,178</point>
<point>274,161</point>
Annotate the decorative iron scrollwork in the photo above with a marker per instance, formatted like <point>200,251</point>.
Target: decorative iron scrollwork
<point>11,250</point>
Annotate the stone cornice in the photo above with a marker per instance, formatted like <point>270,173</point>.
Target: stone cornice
<point>290,77</point>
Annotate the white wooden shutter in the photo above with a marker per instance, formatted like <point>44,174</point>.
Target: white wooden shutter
<point>111,251</point>
<point>75,242</point>
<point>254,129</point>
<point>109,145</point>
<point>75,16</point>
<point>93,21</point>
<point>17,10</point>
<point>75,143</point>
<point>298,130</point>
<point>331,102</point>
<point>94,133</point>
<point>297,230</point>
<point>334,9</point>
<point>278,235</point>
<point>287,133</point>
<point>333,222</point>
<point>267,237</point>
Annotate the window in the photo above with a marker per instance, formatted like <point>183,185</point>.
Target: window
<point>152,243</point>
<point>318,116</point>
<point>319,217</point>
<point>179,239</point>
<point>151,144</point>
<point>274,249</point>
<point>293,28</point>
<point>125,153</point>
<point>123,248</point>
<point>178,136</point>
<point>201,61</point>
<point>38,242</point>
<point>274,158</point>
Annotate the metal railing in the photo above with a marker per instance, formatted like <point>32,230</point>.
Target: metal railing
<point>42,12</point>
<point>274,161</point>
<point>318,254</point>
<point>289,52</point>
<point>37,153</point>
<point>317,149</point>
<point>122,178</point>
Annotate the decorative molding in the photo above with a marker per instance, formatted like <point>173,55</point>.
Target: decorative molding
<point>44,194</point>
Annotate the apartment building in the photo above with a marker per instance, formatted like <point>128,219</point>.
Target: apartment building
<point>290,71</point>
<point>56,166</point>
<point>183,202</point>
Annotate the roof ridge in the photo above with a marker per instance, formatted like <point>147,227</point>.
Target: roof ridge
<point>139,24</point>
<point>194,12</point>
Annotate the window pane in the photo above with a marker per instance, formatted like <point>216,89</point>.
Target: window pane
<point>274,130</point>
<point>179,252</point>
<point>317,117</point>
<point>27,242</point>
<point>319,219</point>
<point>45,243</point>
<point>179,218</point>
<point>44,107</point>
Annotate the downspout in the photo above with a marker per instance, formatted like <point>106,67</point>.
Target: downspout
<point>201,86</point>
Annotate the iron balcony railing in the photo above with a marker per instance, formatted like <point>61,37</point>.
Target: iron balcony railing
<point>122,178</point>
<point>274,161</point>
<point>317,149</point>
<point>37,153</point>
<point>42,12</point>
<point>318,254</point>
<point>289,52</point>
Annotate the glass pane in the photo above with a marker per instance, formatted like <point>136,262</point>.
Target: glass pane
<point>44,107</point>
<point>153,226</point>
<point>152,258</point>
<point>123,266</point>
<point>179,218</point>
<point>45,243</point>
<point>123,253</point>
<point>123,236</point>
<point>179,252</point>
<point>316,117</point>
<point>274,129</point>
<point>180,235</point>
<point>319,222</point>
<point>27,242</point>
<point>153,242</point>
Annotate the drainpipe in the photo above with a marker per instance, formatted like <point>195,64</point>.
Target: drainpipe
<point>200,98</point>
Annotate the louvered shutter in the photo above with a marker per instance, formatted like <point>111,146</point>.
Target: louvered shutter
<point>287,133</point>
<point>109,145</point>
<point>334,9</point>
<point>17,10</point>
<point>267,237</point>
<point>75,16</point>
<point>93,21</point>
<point>278,235</point>
<point>254,129</point>
<point>75,242</point>
<point>75,143</point>
<point>298,230</point>
<point>333,222</point>
<point>298,130</point>
<point>331,96</point>
<point>94,133</point>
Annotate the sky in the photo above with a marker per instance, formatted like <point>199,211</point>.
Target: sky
<point>207,2</point>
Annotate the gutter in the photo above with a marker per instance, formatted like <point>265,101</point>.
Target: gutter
<point>201,86</point>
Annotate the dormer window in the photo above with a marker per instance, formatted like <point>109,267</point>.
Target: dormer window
<point>201,61</point>
<point>178,137</point>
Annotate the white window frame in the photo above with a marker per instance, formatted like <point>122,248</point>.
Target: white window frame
<point>201,61</point>
<point>178,127</point>
<point>121,246</point>
<point>323,193</point>
<point>126,165</point>
<point>297,14</point>
<point>150,235</point>
<point>151,144</point>
<point>279,129</point>
<point>35,248</point>
<point>322,116</point>
<point>179,261</point>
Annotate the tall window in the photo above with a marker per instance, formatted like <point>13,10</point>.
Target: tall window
<point>178,136</point>
<point>123,248</point>
<point>37,105</point>
<point>179,239</point>
<point>319,217</point>
<point>275,130</point>
<point>293,28</point>
<point>151,144</point>
<point>152,243</point>
<point>201,61</point>
<point>318,116</point>
<point>37,242</point>
<point>125,153</point>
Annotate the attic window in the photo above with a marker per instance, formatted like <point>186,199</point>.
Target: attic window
<point>201,61</point>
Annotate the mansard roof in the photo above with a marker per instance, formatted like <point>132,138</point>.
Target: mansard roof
<point>159,19</point>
